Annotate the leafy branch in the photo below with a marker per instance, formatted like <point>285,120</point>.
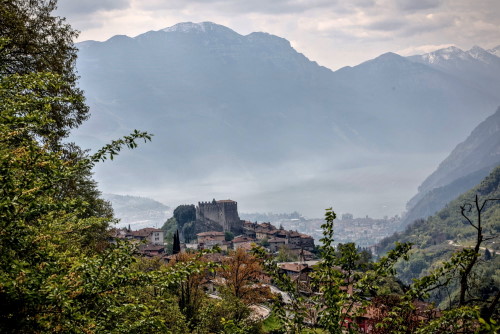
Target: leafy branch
<point>112,149</point>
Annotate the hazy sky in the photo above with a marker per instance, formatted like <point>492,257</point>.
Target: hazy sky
<point>333,33</point>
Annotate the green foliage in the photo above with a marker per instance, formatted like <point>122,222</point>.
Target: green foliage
<point>112,149</point>
<point>56,274</point>
<point>449,224</point>
<point>36,41</point>
<point>176,245</point>
<point>459,320</point>
<point>290,315</point>
<point>264,242</point>
<point>344,290</point>
<point>184,214</point>
<point>57,271</point>
<point>341,291</point>
<point>286,255</point>
<point>439,237</point>
<point>228,236</point>
<point>226,315</point>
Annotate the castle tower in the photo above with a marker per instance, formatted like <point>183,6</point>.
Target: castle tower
<point>224,212</point>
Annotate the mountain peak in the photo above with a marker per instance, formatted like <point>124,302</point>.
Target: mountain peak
<point>482,55</point>
<point>448,53</point>
<point>201,27</point>
<point>495,51</point>
<point>389,57</point>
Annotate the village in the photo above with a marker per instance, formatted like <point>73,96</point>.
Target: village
<point>239,252</point>
<point>224,216</point>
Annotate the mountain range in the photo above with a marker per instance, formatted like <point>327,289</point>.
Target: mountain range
<point>249,117</point>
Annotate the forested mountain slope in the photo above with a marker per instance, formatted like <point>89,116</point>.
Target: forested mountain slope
<point>465,167</point>
<point>437,237</point>
<point>448,223</point>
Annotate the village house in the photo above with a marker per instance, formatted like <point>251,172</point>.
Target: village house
<point>276,243</point>
<point>151,235</point>
<point>278,237</point>
<point>262,233</point>
<point>299,273</point>
<point>249,229</point>
<point>151,250</point>
<point>243,242</point>
<point>294,269</point>
<point>210,235</point>
<point>210,239</point>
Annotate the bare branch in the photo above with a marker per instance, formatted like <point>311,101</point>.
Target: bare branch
<point>467,207</point>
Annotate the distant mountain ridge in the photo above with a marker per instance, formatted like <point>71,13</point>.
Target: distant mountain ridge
<point>224,106</point>
<point>477,66</point>
<point>138,212</point>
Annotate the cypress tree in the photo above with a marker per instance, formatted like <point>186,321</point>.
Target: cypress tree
<point>177,244</point>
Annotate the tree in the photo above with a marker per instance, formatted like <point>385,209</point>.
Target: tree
<point>53,277</point>
<point>228,235</point>
<point>242,273</point>
<point>55,274</point>
<point>465,314</point>
<point>184,214</point>
<point>285,254</point>
<point>466,209</point>
<point>191,297</point>
<point>341,293</point>
<point>176,249</point>
<point>36,41</point>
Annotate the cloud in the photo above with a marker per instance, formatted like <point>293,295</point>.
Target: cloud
<point>275,7</point>
<point>413,5</point>
<point>70,7</point>
<point>387,25</point>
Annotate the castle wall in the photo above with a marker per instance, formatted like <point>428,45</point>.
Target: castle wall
<point>224,213</point>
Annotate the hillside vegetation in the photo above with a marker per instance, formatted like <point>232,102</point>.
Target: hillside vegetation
<point>469,163</point>
<point>435,239</point>
<point>449,224</point>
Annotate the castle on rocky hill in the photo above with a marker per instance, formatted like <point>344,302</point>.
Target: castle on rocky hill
<point>224,213</point>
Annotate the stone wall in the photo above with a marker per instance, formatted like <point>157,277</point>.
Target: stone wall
<point>224,213</point>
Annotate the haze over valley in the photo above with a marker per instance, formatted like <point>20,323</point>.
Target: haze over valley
<point>249,118</point>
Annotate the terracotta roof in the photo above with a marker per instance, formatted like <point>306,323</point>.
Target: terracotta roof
<point>242,239</point>
<point>295,267</point>
<point>246,245</point>
<point>144,232</point>
<point>283,240</point>
<point>226,201</point>
<point>117,233</point>
<point>261,230</point>
<point>151,247</point>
